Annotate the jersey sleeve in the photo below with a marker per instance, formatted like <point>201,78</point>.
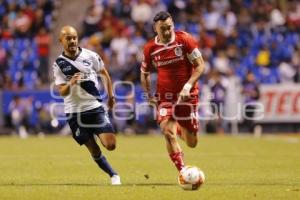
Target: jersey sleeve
<point>98,62</point>
<point>191,47</point>
<point>59,77</point>
<point>146,63</point>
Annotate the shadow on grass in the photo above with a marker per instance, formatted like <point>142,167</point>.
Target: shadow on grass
<point>83,184</point>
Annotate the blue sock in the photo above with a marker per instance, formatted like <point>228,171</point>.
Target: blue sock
<point>104,165</point>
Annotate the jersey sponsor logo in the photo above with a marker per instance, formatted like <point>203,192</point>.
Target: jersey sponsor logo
<point>61,62</point>
<point>86,62</point>
<point>178,51</point>
<point>67,68</point>
<point>162,63</point>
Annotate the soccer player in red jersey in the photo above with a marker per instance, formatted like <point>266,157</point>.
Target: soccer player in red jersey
<point>179,64</point>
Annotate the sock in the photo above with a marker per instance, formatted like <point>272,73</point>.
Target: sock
<point>104,165</point>
<point>177,159</point>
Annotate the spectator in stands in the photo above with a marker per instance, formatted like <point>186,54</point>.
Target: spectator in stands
<point>287,72</point>
<point>3,65</point>
<point>20,24</point>
<point>44,121</point>
<point>141,12</point>
<point>91,20</point>
<point>43,42</point>
<point>251,93</point>
<point>296,64</point>
<point>218,101</point>
<point>132,73</point>
<point>123,10</point>
<point>221,63</point>
<point>293,15</point>
<point>20,111</point>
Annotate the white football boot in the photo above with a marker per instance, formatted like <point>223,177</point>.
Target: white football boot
<point>115,180</point>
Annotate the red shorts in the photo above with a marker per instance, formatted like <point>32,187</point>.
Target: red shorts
<point>186,114</point>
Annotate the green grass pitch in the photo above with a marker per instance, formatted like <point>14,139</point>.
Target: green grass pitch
<point>239,167</point>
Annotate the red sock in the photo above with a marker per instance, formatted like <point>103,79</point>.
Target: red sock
<point>177,159</point>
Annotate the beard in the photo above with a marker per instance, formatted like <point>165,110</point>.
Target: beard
<point>72,49</point>
<point>167,38</point>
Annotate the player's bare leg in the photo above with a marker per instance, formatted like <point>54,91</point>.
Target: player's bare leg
<point>168,128</point>
<point>100,159</point>
<point>190,138</point>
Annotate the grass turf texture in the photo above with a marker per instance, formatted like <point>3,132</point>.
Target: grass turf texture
<point>235,168</point>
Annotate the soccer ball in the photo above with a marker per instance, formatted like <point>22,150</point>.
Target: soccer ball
<point>191,178</point>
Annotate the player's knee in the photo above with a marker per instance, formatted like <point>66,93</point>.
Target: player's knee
<point>192,143</point>
<point>111,146</point>
<point>166,130</point>
<point>169,135</point>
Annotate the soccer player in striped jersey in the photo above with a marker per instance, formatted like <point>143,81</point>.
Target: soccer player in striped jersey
<point>76,73</point>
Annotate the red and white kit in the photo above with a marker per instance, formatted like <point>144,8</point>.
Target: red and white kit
<point>173,62</point>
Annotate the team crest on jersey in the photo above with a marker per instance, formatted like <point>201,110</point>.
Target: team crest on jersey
<point>86,62</point>
<point>77,133</point>
<point>178,51</point>
<point>163,112</point>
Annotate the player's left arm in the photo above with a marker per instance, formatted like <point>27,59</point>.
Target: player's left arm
<point>199,69</point>
<point>108,86</point>
<point>195,57</point>
<point>106,80</point>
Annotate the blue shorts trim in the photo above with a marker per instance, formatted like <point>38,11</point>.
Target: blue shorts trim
<point>86,124</point>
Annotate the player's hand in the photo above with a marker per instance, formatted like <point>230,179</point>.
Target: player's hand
<point>75,78</point>
<point>185,93</point>
<point>183,96</point>
<point>152,101</point>
<point>111,102</point>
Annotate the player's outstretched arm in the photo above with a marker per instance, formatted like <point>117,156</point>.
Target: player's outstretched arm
<point>108,86</point>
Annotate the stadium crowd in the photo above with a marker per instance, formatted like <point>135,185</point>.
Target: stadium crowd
<point>236,38</point>
<point>25,41</point>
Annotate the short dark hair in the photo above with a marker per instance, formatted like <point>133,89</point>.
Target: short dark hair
<point>162,15</point>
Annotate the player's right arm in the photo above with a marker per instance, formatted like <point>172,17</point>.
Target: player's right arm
<point>61,81</point>
<point>64,89</point>
<point>146,76</point>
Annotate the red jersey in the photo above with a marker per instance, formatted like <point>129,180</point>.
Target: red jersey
<point>173,62</point>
